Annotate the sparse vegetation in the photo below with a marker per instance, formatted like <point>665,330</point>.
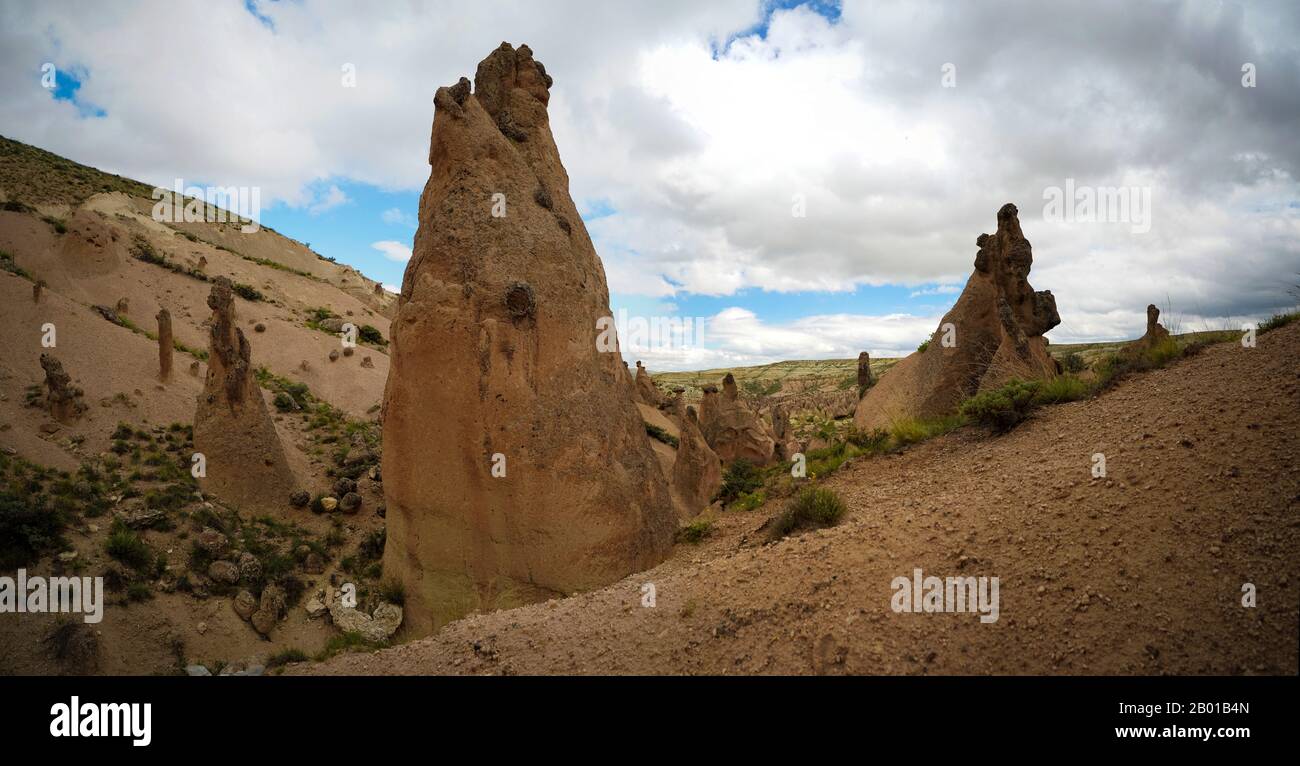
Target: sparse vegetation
<point>813,508</point>
<point>126,546</point>
<point>740,478</point>
<point>695,531</point>
<point>660,434</point>
<point>1002,408</point>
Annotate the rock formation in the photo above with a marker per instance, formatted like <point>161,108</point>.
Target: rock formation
<point>165,345</point>
<point>786,443</point>
<point>732,429</point>
<point>992,334</point>
<point>515,463</point>
<point>645,386</point>
<point>697,472</point>
<point>37,287</point>
<point>1155,334</point>
<point>864,373</point>
<point>62,399</point>
<point>232,428</point>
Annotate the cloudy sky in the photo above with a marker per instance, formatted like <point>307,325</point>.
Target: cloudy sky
<point>809,178</point>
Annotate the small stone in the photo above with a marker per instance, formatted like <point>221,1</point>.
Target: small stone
<point>224,571</point>
<point>329,503</point>
<point>197,670</point>
<point>350,503</point>
<point>299,499</point>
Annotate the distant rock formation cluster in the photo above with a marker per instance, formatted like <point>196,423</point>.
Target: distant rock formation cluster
<point>992,334</point>
<point>532,475</point>
<point>245,463</point>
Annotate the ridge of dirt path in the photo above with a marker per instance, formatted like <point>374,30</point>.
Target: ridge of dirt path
<point>1137,573</point>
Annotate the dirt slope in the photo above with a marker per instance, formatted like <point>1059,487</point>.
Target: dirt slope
<point>1138,573</point>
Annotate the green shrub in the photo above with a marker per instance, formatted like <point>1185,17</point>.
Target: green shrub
<point>813,508</point>
<point>247,292</point>
<point>393,591</point>
<point>695,531</point>
<point>660,434</point>
<point>1276,321</point>
<point>1003,408</point>
<point>126,546</point>
<point>371,334</point>
<point>749,501</point>
<point>1072,362</point>
<point>27,531</point>
<point>286,656</point>
<point>1062,388</point>
<point>739,478</point>
<point>907,431</point>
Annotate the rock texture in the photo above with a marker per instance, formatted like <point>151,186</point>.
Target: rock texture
<point>732,429</point>
<point>786,443</point>
<point>232,428</point>
<point>997,325</point>
<point>494,353</point>
<point>697,471</point>
<point>62,399</point>
<point>165,344</point>
<point>645,386</point>
<point>1154,336</point>
<point>864,373</point>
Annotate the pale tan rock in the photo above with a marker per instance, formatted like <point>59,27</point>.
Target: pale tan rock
<point>494,352</point>
<point>697,471</point>
<point>997,326</point>
<point>732,429</point>
<point>245,462</point>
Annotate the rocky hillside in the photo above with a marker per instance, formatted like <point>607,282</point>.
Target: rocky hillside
<point>85,274</point>
<point>1140,572</point>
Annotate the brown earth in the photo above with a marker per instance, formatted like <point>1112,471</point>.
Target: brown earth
<point>1137,573</point>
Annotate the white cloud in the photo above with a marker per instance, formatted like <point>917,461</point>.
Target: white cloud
<point>332,198</point>
<point>699,149</point>
<point>394,251</point>
<point>396,216</point>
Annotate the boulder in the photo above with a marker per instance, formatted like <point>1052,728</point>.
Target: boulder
<point>992,334</point>
<point>62,399</point>
<point>494,349</point>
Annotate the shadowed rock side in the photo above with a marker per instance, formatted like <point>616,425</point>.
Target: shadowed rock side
<point>645,386</point>
<point>245,463</point>
<point>165,344</point>
<point>997,328</point>
<point>494,353</point>
<point>697,472</point>
<point>864,373</point>
<point>732,429</point>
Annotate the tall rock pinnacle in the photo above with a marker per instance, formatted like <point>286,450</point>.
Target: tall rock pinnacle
<point>515,464</point>
<point>244,461</point>
<point>992,334</point>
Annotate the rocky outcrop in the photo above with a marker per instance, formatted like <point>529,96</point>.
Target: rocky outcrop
<point>645,386</point>
<point>786,443</point>
<point>165,344</point>
<point>864,373</point>
<point>543,481</point>
<point>732,429</point>
<point>62,399</point>
<point>245,463</point>
<point>1155,335</point>
<point>697,471</point>
<point>992,334</point>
